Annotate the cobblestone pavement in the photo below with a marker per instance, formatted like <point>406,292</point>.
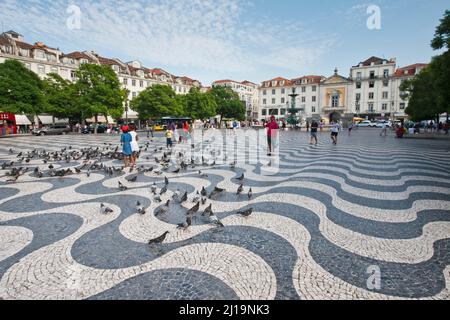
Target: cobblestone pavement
<point>366,219</point>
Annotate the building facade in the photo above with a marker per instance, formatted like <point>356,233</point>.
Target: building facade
<point>133,76</point>
<point>372,91</point>
<point>248,93</point>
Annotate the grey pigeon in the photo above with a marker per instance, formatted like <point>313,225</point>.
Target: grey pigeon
<point>105,210</point>
<point>159,239</point>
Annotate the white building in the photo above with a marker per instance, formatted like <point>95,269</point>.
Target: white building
<point>248,93</point>
<point>43,60</point>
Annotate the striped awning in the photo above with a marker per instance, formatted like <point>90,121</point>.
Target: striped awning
<point>101,119</point>
<point>22,120</point>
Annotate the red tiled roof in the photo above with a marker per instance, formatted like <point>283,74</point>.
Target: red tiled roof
<point>287,82</point>
<point>77,55</point>
<point>24,45</point>
<point>312,78</point>
<point>4,40</point>
<point>225,81</point>
<point>410,70</point>
<point>107,61</point>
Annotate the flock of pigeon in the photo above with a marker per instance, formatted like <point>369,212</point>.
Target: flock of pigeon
<point>92,159</point>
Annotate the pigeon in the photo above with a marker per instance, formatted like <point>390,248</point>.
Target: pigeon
<point>185,225</point>
<point>51,167</point>
<point>132,178</point>
<point>203,175</point>
<point>216,192</point>
<point>122,187</point>
<point>204,199</point>
<point>159,239</point>
<point>215,220</point>
<point>196,198</point>
<point>240,189</point>
<point>163,210</point>
<point>241,177</point>
<point>105,210</point>
<point>140,208</point>
<point>176,171</point>
<point>204,193</point>
<point>193,210</point>
<point>184,197</point>
<point>153,188</point>
<point>157,198</point>
<point>208,211</point>
<point>250,193</point>
<point>88,173</point>
<point>246,213</point>
<point>166,181</point>
<point>163,190</point>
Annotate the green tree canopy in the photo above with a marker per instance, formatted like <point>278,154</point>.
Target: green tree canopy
<point>20,89</point>
<point>442,36</point>
<point>157,101</point>
<point>228,103</point>
<point>100,91</point>
<point>200,105</point>
<point>61,97</point>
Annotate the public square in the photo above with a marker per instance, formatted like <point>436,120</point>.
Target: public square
<point>368,218</point>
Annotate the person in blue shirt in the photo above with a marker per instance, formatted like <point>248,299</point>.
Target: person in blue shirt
<point>125,140</point>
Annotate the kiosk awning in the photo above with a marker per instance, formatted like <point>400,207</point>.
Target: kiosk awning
<point>22,120</point>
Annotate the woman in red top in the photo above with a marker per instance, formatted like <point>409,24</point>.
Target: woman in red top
<point>272,125</point>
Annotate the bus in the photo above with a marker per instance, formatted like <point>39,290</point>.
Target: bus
<point>8,124</point>
<point>163,123</point>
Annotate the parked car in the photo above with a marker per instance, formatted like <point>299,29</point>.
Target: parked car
<point>366,124</point>
<point>90,129</point>
<point>380,124</point>
<point>52,130</point>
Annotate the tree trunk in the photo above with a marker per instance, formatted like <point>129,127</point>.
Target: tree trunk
<point>95,125</point>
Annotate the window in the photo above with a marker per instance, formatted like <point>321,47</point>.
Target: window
<point>273,101</point>
<point>402,106</point>
<point>385,95</point>
<point>384,106</point>
<point>73,74</point>
<point>303,89</point>
<point>358,75</point>
<point>385,83</point>
<point>264,92</point>
<point>303,99</point>
<point>358,85</point>
<point>273,112</point>
<point>55,70</point>
<point>39,54</point>
<point>133,83</point>
<point>358,108</point>
<point>41,69</point>
<point>134,95</point>
<point>335,100</point>
<point>264,101</point>
<point>141,84</point>
<point>371,95</point>
<point>283,91</point>
<point>386,73</point>
<point>372,74</point>
<point>371,107</point>
<point>273,91</point>
<point>358,96</point>
<point>372,84</point>
<point>264,112</point>
<point>314,88</point>
<point>283,100</point>
<point>283,112</point>
<point>313,98</point>
<point>313,109</point>
<point>125,81</point>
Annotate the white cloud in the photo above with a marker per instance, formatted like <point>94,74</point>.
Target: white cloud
<point>208,36</point>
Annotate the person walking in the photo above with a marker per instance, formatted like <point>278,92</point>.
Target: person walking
<point>335,129</point>
<point>383,132</point>
<point>307,126</point>
<point>134,145</point>
<point>350,128</point>
<point>125,140</point>
<point>314,129</point>
<point>169,136</point>
<point>272,126</point>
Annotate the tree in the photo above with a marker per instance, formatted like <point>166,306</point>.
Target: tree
<point>157,101</point>
<point>422,105</point>
<point>442,36</point>
<point>61,99</point>
<point>228,103</point>
<point>199,105</point>
<point>20,89</point>
<point>99,91</point>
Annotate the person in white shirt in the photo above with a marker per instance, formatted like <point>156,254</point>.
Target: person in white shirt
<point>335,129</point>
<point>134,144</point>
<point>383,129</point>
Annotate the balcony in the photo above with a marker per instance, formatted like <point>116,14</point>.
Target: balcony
<point>332,109</point>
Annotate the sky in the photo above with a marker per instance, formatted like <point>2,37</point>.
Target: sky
<point>253,40</point>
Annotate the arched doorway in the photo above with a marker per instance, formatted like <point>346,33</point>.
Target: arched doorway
<point>335,116</point>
